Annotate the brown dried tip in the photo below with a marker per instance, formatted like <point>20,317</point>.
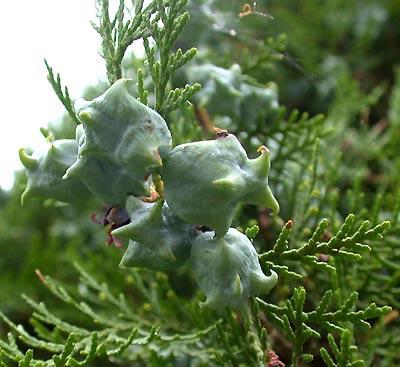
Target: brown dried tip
<point>289,224</point>
<point>262,149</point>
<point>40,275</point>
<point>221,133</point>
<point>117,242</point>
<point>246,10</point>
<point>111,240</point>
<point>391,316</point>
<point>154,196</point>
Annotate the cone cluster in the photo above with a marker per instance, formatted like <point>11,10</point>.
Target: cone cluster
<point>120,145</point>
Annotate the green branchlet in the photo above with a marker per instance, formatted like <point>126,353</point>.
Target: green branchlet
<point>124,330</point>
<point>343,354</point>
<point>165,28</point>
<point>118,34</point>
<point>62,93</point>
<point>116,325</point>
<point>347,245</point>
<point>300,325</point>
<point>142,92</point>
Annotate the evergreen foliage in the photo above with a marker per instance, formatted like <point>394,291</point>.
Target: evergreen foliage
<point>334,171</point>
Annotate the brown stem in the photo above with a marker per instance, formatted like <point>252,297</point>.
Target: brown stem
<point>204,119</point>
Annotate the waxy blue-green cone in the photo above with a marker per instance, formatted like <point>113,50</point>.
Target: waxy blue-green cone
<point>227,270</point>
<point>121,144</point>
<point>258,104</point>
<point>205,181</point>
<point>228,93</point>
<point>157,238</point>
<point>220,92</point>
<point>45,169</point>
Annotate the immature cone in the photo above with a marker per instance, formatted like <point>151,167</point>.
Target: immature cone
<point>259,104</point>
<point>157,238</point>
<point>220,92</point>
<point>45,169</point>
<point>227,270</point>
<point>205,181</point>
<point>227,93</point>
<point>121,144</point>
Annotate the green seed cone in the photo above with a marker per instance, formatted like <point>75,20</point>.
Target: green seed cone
<point>206,181</point>
<point>227,270</point>
<point>156,237</point>
<point>120,145</point>
<point>45,169</point>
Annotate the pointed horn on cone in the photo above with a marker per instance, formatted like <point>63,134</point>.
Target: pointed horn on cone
<point>28,162</point>
<point>260,166</point>
<point>268,201</point>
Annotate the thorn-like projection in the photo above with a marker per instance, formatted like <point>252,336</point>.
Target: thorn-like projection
<point>227,270</point>
<point>45,169</point>
<point>85,117</point>
<point>205,181</point>
<point>263,149</point>
<point>262,283</point>
<point>154,232</point>
<point>28,162</point>
<point>262,164</point>
<point>264,198</point>
<point>121,142</point>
